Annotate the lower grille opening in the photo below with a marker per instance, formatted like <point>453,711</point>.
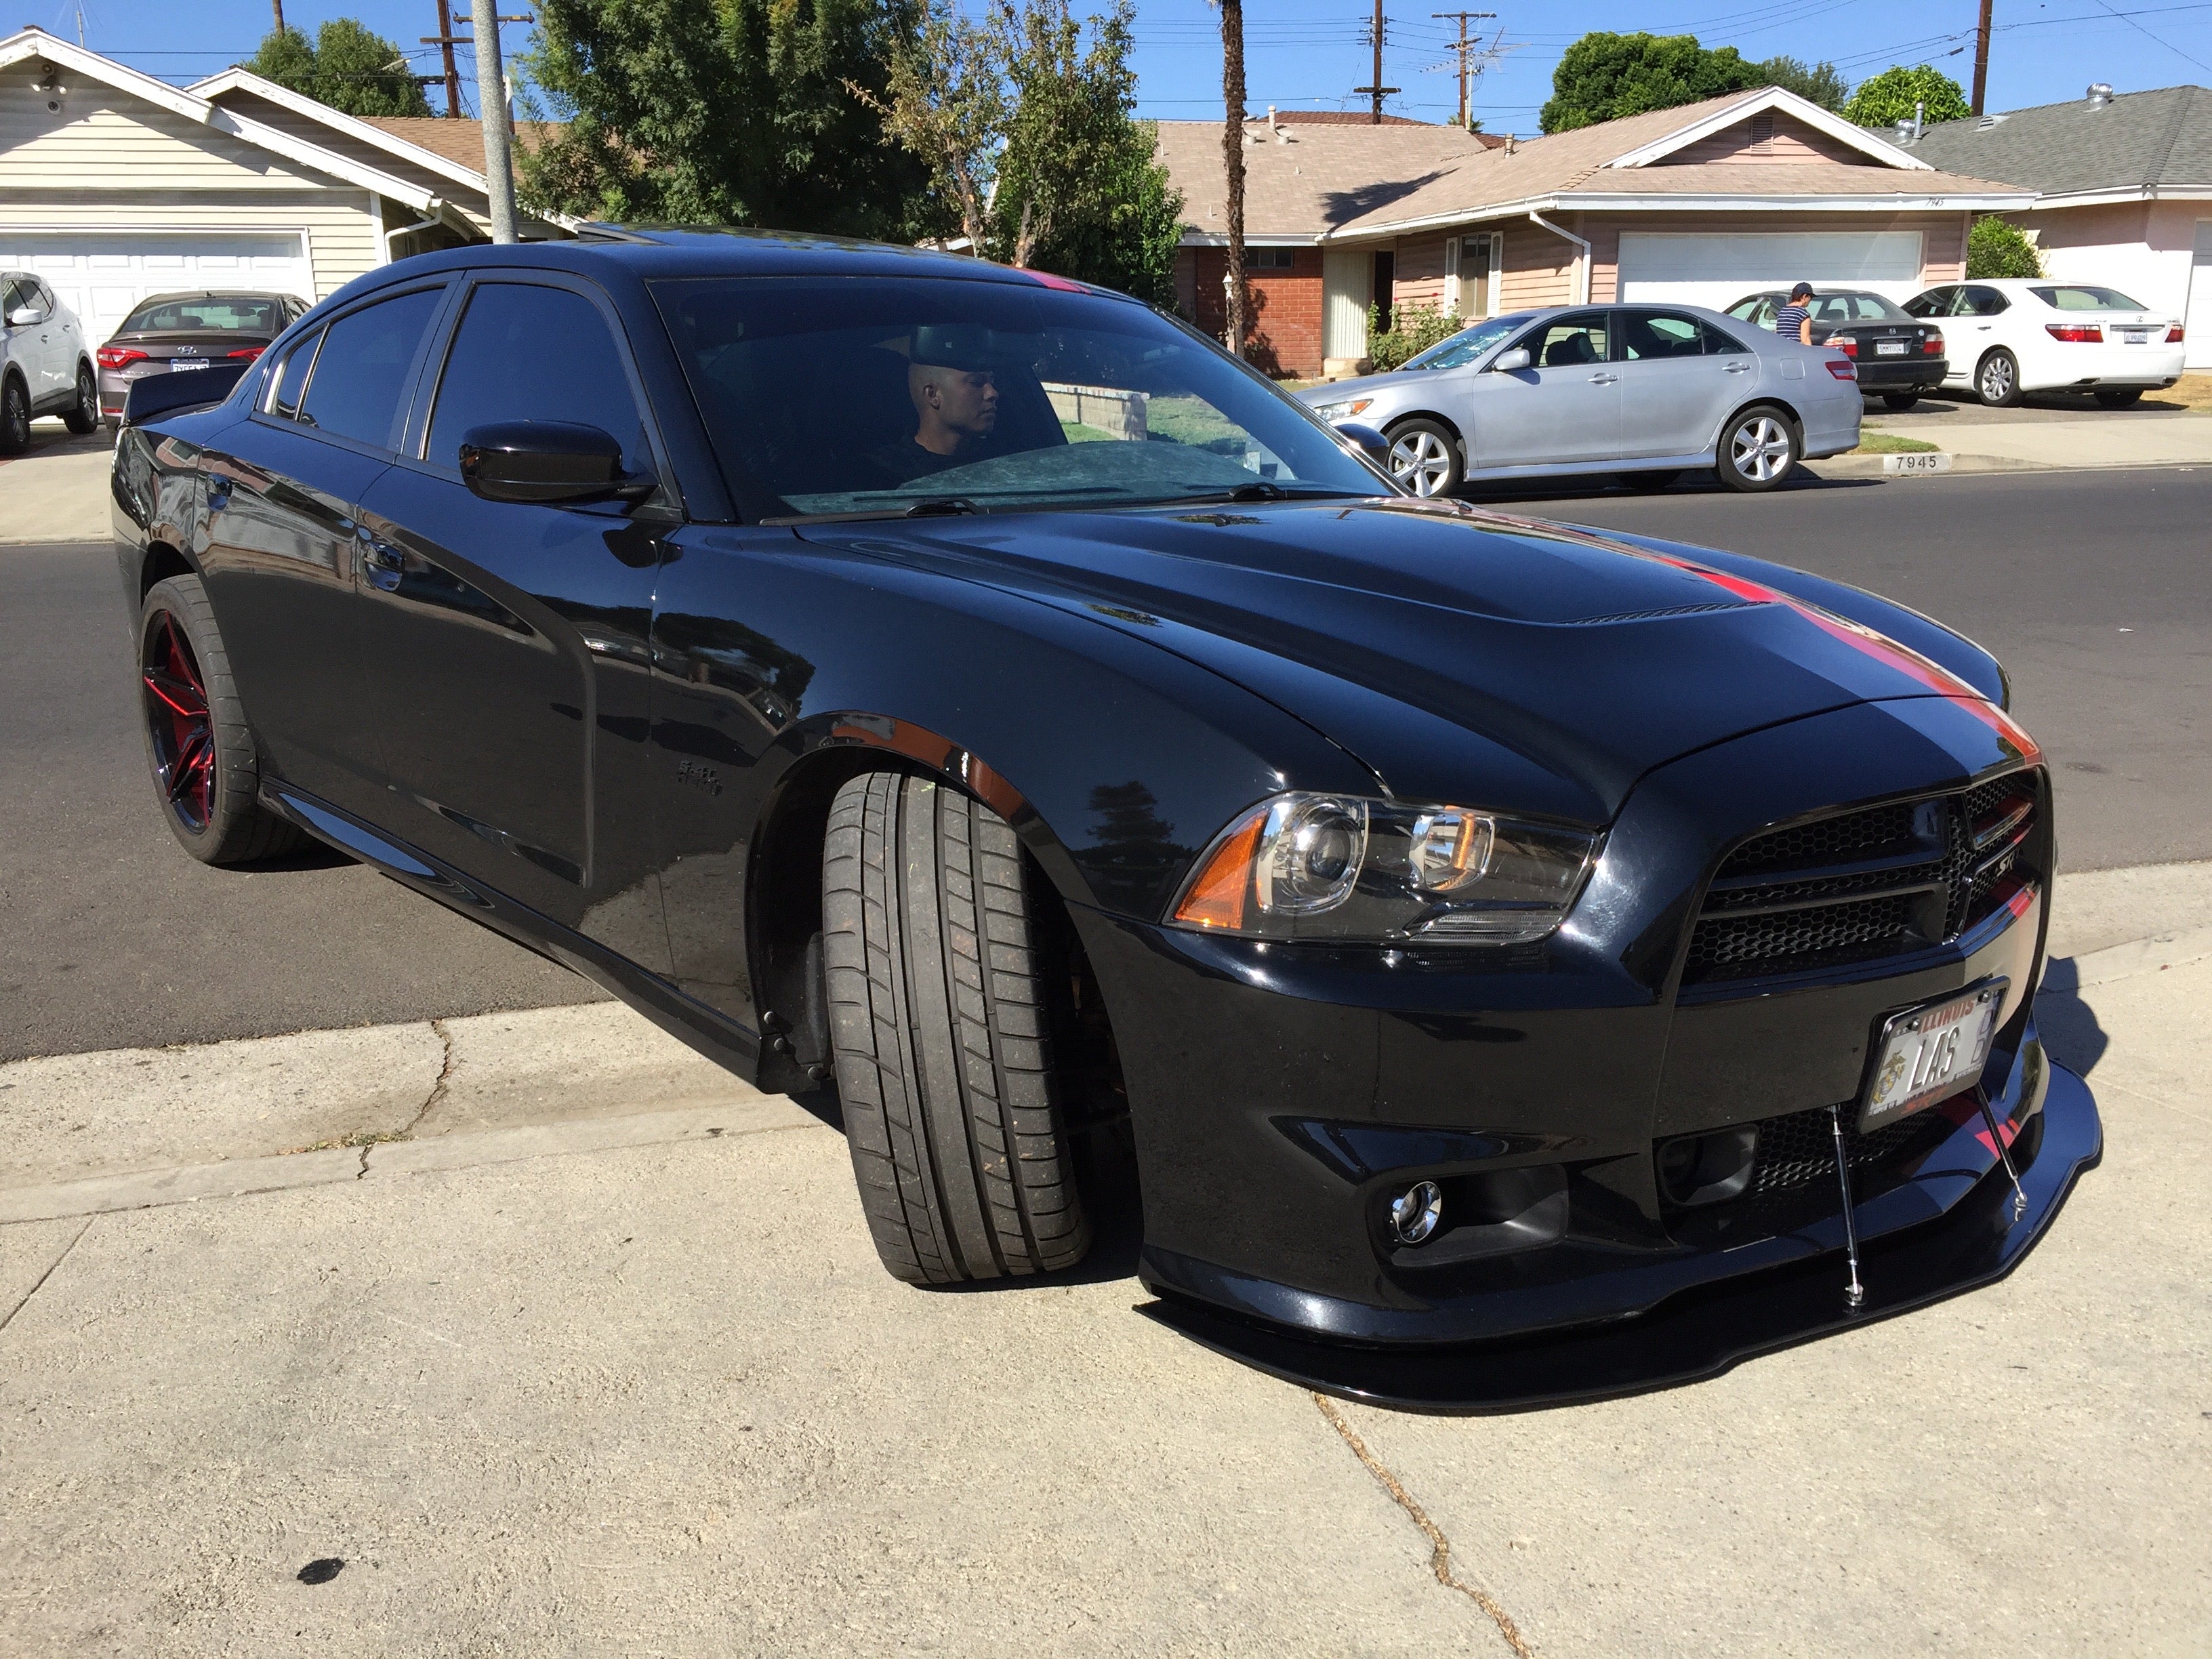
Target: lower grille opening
<point>1792,1180</point>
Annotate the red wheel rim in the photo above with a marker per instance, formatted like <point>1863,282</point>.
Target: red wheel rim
<point>177,718</point>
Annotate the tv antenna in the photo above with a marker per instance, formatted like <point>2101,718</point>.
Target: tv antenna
<point>1471,57</point>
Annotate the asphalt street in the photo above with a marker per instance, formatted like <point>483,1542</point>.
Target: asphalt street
<point>2091,587</point>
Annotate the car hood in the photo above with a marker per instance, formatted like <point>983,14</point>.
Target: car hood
<point>1364,385</point>
<point>1462,655</point>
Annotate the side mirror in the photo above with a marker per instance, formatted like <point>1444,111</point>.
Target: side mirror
<point>1367,441</point>
<point>24,316</point>
<point>1506,361</point>
<point>548,461</point>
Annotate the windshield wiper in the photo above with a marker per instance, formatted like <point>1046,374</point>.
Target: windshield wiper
<point>1259,490</point>
<point>938,506</point>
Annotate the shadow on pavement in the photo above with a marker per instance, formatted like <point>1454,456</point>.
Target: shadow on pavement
<point>2070,1031</point>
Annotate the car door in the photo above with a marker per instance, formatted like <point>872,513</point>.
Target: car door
<point>283,489</point>
<point>1983,318</point>
<point>1677,379</point>
<point>1564,407</point>
<point>64,346</point>
<point>17,296</point>
<point>510,673</point>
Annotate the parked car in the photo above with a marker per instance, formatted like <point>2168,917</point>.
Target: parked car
<point>184,332</point>
<point>46,369</point>
<point>2014,335</point>
<point>979,691</point>
<point>1897,357</point>
<point>1645,392</point>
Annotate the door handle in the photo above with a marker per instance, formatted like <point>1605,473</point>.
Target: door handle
<point>381,562</point>
<point>1603,379</point>
<point>1735,368</point>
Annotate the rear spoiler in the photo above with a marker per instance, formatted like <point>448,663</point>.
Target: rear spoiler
<point>154,395</point>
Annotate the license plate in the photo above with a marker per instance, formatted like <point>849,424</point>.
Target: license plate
<point>2134,337</point>
<point>1930,1053</point>
<point>188,363</point>
<point>1889,347</point>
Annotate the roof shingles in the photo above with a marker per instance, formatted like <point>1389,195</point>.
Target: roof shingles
<point>2138,141</point>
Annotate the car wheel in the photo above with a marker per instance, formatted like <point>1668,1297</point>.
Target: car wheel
<point>938,1024</point>
<point>15,418</point>
<point>1649,483</point>
<point>2116,396</point>
<point>1757,450</point>
<point>196,739</point>
<point>1998,379</point>
<point>83,415</point>
<point>1900,399</point>
<point>1425,458</point>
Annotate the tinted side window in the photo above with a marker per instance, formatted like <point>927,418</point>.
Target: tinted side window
<point>1983,302</point>
<point>363,367</point>
<point>524,353</point>
<point>1568,342</point>
<point>1937,302</point>
<point>291,377</point>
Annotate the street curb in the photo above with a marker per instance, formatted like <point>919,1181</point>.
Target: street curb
<point>1870,466</point>
<point>2119,962</point>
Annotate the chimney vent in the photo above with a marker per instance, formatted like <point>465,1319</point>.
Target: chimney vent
<point>2100,94</point>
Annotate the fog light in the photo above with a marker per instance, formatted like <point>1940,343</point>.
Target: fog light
<point>1708,1169</point>
<point>1415,1212</point>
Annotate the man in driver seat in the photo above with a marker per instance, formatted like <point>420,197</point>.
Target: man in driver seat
<point>952,380</point>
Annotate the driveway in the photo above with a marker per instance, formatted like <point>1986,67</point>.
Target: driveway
<point>58,491</point>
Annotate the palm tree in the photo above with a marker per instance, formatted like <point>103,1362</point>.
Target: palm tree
<point>1232,156</point>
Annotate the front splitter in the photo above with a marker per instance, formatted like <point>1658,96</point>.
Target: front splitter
<point>1702,1333</point>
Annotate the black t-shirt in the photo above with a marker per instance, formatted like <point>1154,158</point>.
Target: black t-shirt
<point>904,460</point>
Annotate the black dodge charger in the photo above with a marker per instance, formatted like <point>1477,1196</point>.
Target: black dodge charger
<point>1518,961</point>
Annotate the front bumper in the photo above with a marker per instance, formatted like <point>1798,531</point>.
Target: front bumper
<point>1279,1095</point>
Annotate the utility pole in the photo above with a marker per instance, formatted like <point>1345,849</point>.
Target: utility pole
<point>1378,90</point>
<point>1982,57</point>
<point>445,39</point>
<point>491,110</point>
<point>1232,156</point>
<point>1461,47</point>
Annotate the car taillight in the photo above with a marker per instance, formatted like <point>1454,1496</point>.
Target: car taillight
<point>116,356</point>
<point>248,355</point>
<point>2076,333</point>
<point>1843,368</point>
<point>1845,343</point>
<point>1932,346</point>
<point>2173,335</point>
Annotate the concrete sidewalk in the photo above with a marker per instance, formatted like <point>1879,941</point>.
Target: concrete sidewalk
<point>2099,440</point>
<point>633,1382</point>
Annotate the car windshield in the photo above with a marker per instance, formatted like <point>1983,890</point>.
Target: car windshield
<point>841,396</point>
<point>1468,343</point>
<point>2080,296</point>
<point>242,313</point>
<point>1855,308</point>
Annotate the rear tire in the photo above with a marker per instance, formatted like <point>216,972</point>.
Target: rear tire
<point>83,415</point>
<point>1757,449</point>
<point>1900,399</point>
<point>2119,397</point>
<point>1996,380</point>
<point>206,774</point>
<point>1425,458</point>
<point>940,1025</point>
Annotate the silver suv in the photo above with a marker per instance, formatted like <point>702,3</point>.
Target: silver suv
<point>48,367</point>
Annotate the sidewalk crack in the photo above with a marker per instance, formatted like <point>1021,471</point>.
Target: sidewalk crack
<point>49,1274</point>
<point>406,1131</point>
<point>1439,1546</point>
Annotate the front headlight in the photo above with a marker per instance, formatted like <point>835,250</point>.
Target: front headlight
<point>1308,867</point>
<point>1343,412</point>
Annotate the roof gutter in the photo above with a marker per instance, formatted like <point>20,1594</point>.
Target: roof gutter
<point>1582,255</point>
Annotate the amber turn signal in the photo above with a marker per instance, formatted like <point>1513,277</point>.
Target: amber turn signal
<point>1217,897</point>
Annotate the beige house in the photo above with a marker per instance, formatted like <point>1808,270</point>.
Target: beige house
<point>1698,206</point>
<point>114,185</point>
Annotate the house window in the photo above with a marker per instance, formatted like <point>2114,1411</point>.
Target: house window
<point>1472,265</point>
<point>1269,259</point>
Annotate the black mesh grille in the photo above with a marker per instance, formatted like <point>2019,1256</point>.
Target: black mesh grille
<point>1824,909</point>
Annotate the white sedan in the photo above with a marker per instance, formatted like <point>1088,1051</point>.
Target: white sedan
<point>2014,335</point>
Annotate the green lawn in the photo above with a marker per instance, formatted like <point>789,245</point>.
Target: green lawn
<point>1888,443</point>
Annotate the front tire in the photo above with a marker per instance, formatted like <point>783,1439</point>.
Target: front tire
<point>1425,458</point>
<point>15,416</point>
<point>198,743</point>
<point>1997,381</point>
<point>2116,396</point>
<point>1757,450</point>
<point>83,415</point>
<point>940,1023</point>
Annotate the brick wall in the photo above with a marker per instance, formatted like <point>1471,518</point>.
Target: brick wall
<point>1284,332</point>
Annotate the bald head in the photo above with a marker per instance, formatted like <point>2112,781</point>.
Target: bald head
<point>958,407</point>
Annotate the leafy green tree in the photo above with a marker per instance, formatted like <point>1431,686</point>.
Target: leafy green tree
<point>726,112</point>
<point>945,102</point>
<point>1602,77</point>
<point>348,67</point>
<point>1996,248</point>
<point>1080,189</point>
<point>1890,97</point>
<point>1821,83</point>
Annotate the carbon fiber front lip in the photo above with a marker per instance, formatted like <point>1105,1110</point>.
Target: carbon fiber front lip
<point>1701,1333</point>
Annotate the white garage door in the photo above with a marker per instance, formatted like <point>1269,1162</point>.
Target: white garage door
<point>101,275</point>
<point>1718,270</point>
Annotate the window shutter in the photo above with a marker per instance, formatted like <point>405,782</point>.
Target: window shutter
<point>1451,276</point>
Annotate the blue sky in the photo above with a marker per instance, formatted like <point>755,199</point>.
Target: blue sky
<point>1309,54</point>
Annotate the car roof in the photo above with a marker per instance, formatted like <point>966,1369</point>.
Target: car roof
<point>213,294</point>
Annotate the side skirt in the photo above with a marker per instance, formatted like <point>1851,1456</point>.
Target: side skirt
<point>736,1047</point>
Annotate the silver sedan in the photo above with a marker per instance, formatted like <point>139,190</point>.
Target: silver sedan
<point>1645,391</point>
